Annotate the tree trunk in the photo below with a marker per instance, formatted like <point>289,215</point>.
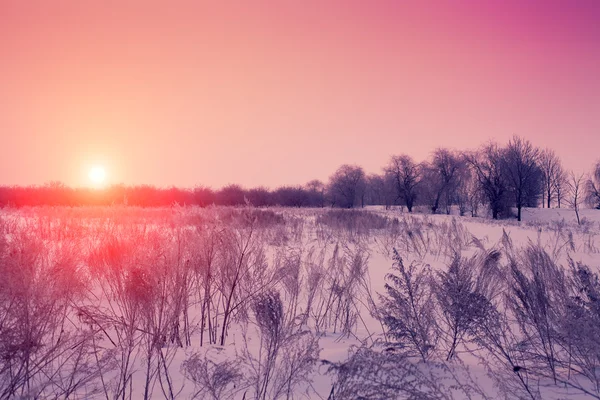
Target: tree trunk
<point>544,199</point>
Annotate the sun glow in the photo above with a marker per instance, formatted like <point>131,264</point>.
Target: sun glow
<point>97,175</point>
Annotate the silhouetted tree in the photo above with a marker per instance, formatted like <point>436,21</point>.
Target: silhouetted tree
<point>316,193</point>
<point>467,193</point>
<point>406,177</point>
<point>523,175</point>
<point>291,196</point>
<point>562,187</point>
<point>260,197</point>
<point>346,186</point>
<point>576,192</point>
<point>486,165</point>
<point>231,195</point>
<point>4,196</point>
<point>378,191</point>
<point>553,176</point>
<point>143,196</point>
<point>203,196</point>
<point>592,188</point>
<point>441,177</point>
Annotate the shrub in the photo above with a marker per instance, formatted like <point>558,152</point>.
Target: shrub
<point>408,309</point>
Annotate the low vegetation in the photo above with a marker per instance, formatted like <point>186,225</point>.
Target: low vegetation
<point>126,303</point>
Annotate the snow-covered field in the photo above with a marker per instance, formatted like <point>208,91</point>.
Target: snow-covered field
<point>291,303</point>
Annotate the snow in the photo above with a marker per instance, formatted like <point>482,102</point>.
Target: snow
<point>555,229</point>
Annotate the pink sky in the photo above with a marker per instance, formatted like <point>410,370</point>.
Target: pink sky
<point>280,92</point>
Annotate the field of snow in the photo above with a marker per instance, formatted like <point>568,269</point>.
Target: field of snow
<point>291,303</point>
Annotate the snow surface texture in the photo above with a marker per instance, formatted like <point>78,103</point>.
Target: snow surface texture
<point>284,303</point>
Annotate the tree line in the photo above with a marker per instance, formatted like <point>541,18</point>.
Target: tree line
<point>517,175</point>
<point>493,178</point>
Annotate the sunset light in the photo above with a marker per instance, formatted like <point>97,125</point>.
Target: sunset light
<point>316,199</point>
<point>97,176</point>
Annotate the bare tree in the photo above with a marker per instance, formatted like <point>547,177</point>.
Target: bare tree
<point>576,191</point>
<point>203,196</point>
<point>377,191</point>
<point>406,177</point>
<point>259,197</point>
<point>486,165</point>
<point>523,175</point>
<point>441,176</point>
<point>230,195</point>
<point>553,174</point>
<point>346,186</point>
<point>316,193</point>
<point>468,193</point>
<point>291,196</point>
<point>592,188</point>
<point>562,187</point>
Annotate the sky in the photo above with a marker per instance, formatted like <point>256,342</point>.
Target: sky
<point>277,92</point>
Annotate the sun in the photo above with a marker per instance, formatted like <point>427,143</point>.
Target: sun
<point>97,175</point>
